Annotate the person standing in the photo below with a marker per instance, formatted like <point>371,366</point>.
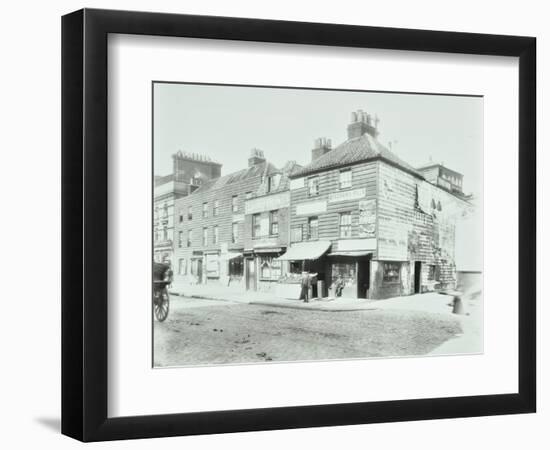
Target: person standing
<point>306,283</point>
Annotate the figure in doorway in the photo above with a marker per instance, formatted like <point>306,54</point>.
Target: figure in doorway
<point>339,285</point>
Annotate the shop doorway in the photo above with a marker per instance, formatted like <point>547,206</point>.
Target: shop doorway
<point>417,278</point>
<point>250,274</point>
<point>363,278</point>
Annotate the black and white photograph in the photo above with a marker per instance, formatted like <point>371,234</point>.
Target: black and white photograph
<point>298,224</point>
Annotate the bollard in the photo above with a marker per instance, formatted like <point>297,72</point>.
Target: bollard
<point>458,308</point>
<point>320,289</point>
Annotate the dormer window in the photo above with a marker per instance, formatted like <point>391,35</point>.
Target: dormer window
<point>313,186</point>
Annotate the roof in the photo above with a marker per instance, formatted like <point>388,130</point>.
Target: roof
<point>352,151</point>
<point>265,168</point>
<point>305,250</point>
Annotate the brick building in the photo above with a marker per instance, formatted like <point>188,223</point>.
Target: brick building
<point>224,233</point>
<point>361,213</point>
<point>189,171</point>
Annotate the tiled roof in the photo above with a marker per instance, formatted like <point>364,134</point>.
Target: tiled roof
<point>265,168</point>
<point>352,151</point>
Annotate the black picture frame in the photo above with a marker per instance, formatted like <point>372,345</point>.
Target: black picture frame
<point>84,224</point>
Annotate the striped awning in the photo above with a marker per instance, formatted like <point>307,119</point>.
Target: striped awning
<point>305,251</point>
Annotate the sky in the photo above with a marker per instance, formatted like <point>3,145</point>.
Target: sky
<point>226,122</point>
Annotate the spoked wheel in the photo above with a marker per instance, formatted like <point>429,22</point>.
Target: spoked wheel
<point>162,305</point>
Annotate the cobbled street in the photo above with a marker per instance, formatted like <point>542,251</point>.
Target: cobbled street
<point>200,332</point>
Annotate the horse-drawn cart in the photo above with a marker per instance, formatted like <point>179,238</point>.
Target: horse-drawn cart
<point>162,277</point>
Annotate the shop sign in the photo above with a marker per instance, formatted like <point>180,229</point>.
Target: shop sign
<point>238,217</point>
<point>356,244</point>
<point>267,203</point>
<point>367,218</point>
<point>345,196</point>
<point>305,209</point>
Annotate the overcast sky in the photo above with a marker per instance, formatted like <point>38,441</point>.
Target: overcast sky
<point>226,122</point>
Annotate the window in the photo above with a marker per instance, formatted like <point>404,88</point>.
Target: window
<point>165,234</point>
<point>273,182</point>
<point>215,236</point>
<point>255,225</point>
<point>182,267</point>
<point>313,186</point>
<point>344,270</point>
<point>216,207</point>
<point>345,225</point>
<point>156,212</point>
<point>180,239</point>
<point>234,204</point>
<point>248,195</point>
<point>156,235</point>
<point>391,272</point>
<point>313,228</point>
<point>205,236</point>
<point>345,179</point>
<point>181,217</point>
<point>205,209</point>
<point>296,234</point>
<point>189,237</point>
<point>189,213</point>
<point>274,223</point>
<point>234,232</point>
<point>270,268</point>
<point>165,210</point>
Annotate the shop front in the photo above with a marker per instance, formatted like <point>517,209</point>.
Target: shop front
<point>349,274</point>
<point>303,257</point>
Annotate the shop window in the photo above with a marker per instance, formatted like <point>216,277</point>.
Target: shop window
<point>215,235</point>
<point>344,270</point>
<point>216,208</point>
<point>189,237</point>
<point>391,272</point>
<point>256,228</point>
<point>270,268</point>
<point>313,186</point>
<point>345,179</point>
<point>345,225</point>
<point>274,223</point>
<point>182,266</point>
<point>295,267</point>
<point>296,234</point>
<point>205,210</point>
<point>234,232</point>
<point>234,203</point>
<point>313,228</point>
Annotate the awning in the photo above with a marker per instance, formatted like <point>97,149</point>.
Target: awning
<point>268,250</point>
<point>305,250</point>
<point>355,253</point>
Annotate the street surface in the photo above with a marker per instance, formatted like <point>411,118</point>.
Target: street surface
<point>204,332</point>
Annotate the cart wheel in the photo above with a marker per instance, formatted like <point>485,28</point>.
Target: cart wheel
<point>162,307</point>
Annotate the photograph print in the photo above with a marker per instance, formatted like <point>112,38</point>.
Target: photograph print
<point>299,224</point>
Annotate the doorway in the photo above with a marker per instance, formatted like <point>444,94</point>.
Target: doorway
<point>199,270</point>
<point>363,278</point>
<point>250,274</point>
<point>417,278</point>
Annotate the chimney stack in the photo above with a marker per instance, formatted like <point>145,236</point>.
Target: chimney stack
<point>321,146</point>
<point>362,123</point>
<point>256,157</point>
